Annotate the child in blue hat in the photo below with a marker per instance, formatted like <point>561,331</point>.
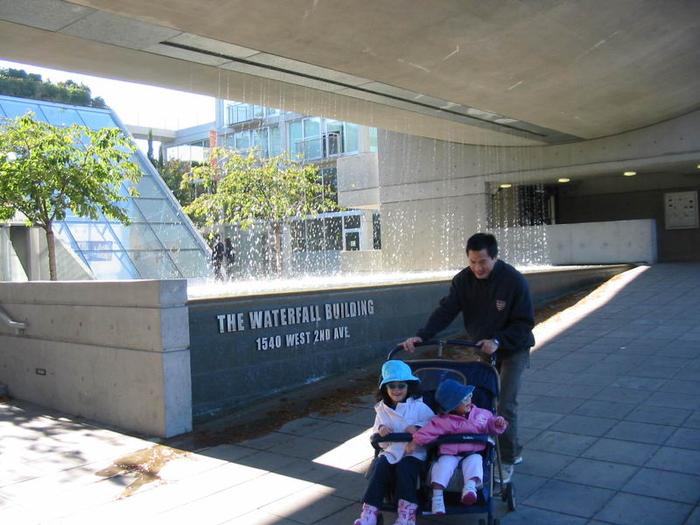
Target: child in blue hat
<point>400,408</point>
<point>458,416</point>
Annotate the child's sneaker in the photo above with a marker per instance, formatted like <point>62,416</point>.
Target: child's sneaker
<point>438,506</point>
<point>469,493</point>
<point>369,515</point>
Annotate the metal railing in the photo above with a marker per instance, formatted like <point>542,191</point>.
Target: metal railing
<point>16,325</point>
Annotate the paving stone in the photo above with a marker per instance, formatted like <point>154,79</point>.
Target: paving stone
<point>651,414</point>
<point>573,390</point>
<point>339,432</point>
<point>667,485</point>
<point>537,419</point>
<point>622,395</point>
<point>584,425</point>
<point>681,386</point>
<point>676,459</point>
<point>641,432</point>
<point>228,452</point>
<point>597,473</point>
<point>685,438</point>
<point>570,498</point>
<point>359,416</point>
<point>556,405</point>
<point>543,464</point>
<point>525,485</point>
<point>561,442</point>
<point>693,420</point>
<point>611,409</point>
<point>259,518</point>
<point>527,434</point>
<point>267,461</point>
<point>602,380</point>
<point>621,451</point>
<point>348,485</point>
<point>526,515</point>
<point>675,400</point>
<point>694,518</point>
<point>266,442</point>
<point>630,509</point>
<point>308,506</point>
<point>638,383</point>
<point>304,426</point>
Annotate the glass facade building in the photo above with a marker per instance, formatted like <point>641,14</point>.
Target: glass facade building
<point>160,242</point>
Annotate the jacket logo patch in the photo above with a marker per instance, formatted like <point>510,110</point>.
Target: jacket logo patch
<point>500,305</point>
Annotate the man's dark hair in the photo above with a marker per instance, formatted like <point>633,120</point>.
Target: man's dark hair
<point>483,241</point>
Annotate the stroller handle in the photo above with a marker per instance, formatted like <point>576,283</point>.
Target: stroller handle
<point>430,342</point>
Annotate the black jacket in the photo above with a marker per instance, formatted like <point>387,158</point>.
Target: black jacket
<point>499,306</point>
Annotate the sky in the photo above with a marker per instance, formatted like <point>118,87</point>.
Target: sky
<point>137,104</point>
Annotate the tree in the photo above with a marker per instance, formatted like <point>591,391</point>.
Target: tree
<point>19,83</point>
<point>46,170</point>
<point>172,172</point>
<point>243,189</point>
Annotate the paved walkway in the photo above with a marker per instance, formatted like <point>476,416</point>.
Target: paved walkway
<point>610,418</point>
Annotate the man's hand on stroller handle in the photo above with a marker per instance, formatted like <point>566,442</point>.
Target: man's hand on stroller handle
<point>409,344</point>
<point>488,346</point>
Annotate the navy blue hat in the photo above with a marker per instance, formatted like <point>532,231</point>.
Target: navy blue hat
<point>450,394</point>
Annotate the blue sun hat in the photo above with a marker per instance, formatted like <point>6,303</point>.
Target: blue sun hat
<point>396,370</point>
<point>450,394</point>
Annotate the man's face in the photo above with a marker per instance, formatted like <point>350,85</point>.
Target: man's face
<point>480,263</point>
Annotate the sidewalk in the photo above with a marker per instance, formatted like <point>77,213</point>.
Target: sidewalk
<point>610,417</point>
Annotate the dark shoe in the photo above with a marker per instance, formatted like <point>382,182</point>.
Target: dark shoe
<point>507,469</point>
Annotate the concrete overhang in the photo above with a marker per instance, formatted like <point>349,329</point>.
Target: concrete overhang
<point>509,73</point>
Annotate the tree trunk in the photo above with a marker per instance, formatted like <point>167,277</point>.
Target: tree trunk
<point>278,247</point>
<point>50,243</point>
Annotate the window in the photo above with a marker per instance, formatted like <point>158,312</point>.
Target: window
<point>305,138</point>
<point>373,139</point>
<point>329,179</point>
<point>376,231</point>
<point>241,140</point>
<point>260,142</point>
<point>275,141</point>
<point>351,138</point>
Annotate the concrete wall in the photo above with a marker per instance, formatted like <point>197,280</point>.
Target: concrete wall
<point>234,362</point>
<point>358,186</point>
<point>434,194</point>
<point>581,243</point>
<point>10,266</point>
<point>115,352</point>
<point>609,198</point>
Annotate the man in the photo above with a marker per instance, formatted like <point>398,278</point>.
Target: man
<point>217,258</point>
<point>496,306</point>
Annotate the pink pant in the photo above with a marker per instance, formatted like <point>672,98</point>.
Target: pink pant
<point>443,468</point>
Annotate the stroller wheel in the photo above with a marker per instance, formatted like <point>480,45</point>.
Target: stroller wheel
<point>380,519</point>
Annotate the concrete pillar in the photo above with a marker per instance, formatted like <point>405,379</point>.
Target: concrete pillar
<point>431,202</point>
<point>115,352</point>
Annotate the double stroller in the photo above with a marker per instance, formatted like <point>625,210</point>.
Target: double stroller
<point>473,368</point>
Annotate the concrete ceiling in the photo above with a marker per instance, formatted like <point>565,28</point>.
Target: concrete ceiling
<point>501,72</point>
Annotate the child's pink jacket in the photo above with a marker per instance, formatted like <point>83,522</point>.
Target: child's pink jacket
<point>478,421</point>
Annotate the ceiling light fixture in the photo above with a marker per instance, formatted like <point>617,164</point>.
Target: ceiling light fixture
<point>563,180</point>
<point>505,186</point>
<point>629,173</point>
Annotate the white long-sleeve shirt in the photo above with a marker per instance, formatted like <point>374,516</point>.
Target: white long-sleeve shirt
<point>411,412</point>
